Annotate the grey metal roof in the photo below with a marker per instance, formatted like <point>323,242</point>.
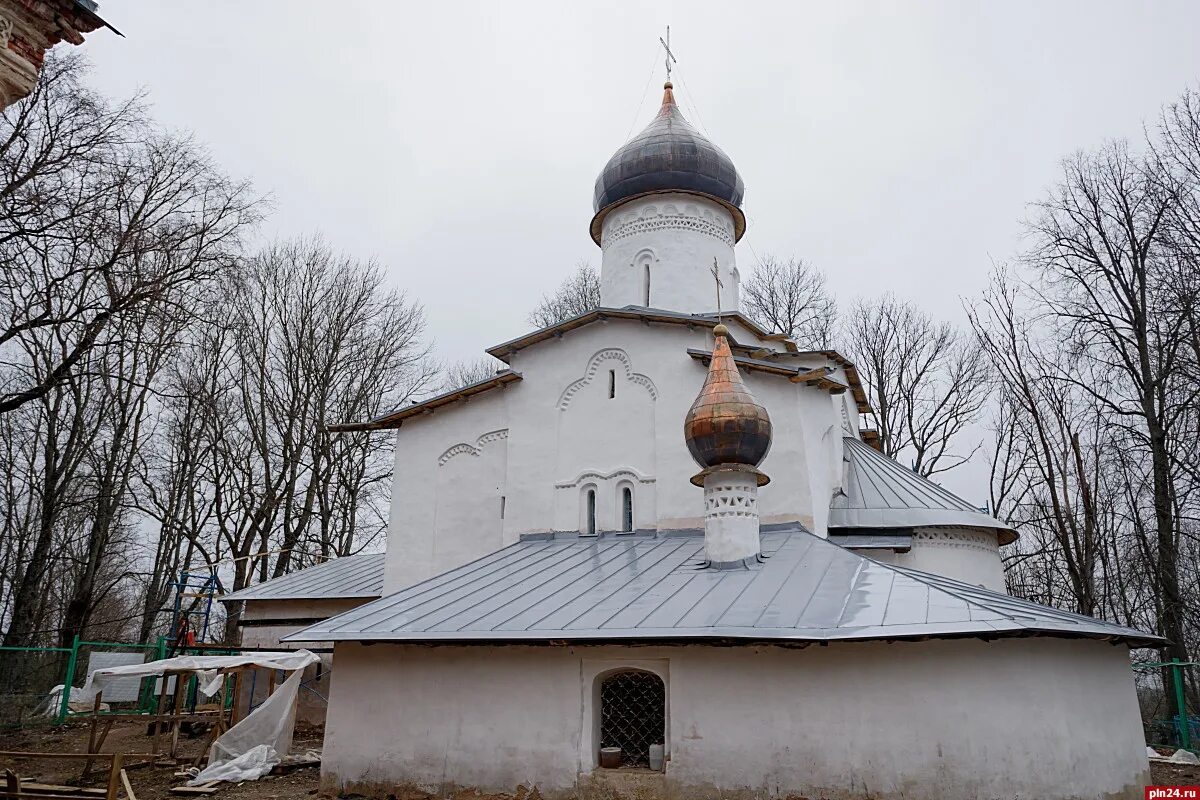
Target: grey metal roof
<point>652,587</point>
<point>881,493</point>
<point>348,576</point>
<point>871,540</point>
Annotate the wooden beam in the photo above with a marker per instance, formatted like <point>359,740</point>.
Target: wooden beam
<point>114,776</point>
<point>128,789</point>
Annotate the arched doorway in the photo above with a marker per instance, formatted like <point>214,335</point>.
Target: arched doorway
<point>633,714</point>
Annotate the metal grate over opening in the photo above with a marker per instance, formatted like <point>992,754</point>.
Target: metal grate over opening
<point>632,715</point>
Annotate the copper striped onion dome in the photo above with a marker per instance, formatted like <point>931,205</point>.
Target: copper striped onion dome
<point>725,424</point>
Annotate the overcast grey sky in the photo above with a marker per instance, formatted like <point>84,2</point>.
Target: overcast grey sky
<point>894,145</point>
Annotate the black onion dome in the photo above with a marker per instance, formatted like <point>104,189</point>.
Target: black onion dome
<point>669,156</point>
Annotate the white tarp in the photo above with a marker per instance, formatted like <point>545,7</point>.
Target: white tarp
<point>1178,757</point>
<point>1183,757</point>
<point>258,742</point>
<point>207,667</point>
<point>79,701</point>
<point>249,749</point>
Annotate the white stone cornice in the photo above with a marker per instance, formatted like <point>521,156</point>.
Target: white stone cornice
<point>667,217</point>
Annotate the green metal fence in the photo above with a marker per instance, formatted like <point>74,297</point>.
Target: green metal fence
<point>27,675</point>
<point>1169,697</point>
<point>31,677</point>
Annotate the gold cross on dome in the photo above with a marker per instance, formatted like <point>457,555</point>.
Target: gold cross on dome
<point>670,59</point>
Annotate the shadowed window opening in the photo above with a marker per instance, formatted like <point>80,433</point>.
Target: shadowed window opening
<point>633,715</point>
<point>627,509</point>
<point>591,512</point>
<point>612,383</point>
<point>646,287</point>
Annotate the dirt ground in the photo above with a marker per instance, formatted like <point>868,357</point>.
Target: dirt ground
<point>1174,774</point>
<point>149,782</point>
<point>154,783</point>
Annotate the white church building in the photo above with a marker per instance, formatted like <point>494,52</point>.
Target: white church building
<point>567,605</point>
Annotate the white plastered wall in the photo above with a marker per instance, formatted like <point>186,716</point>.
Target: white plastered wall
<point>941,720</point>
<point>264,623</point>
<point>532,449</point>
<point>674,237</point>
<point>970,556</point>
<point>639,430</point>
<point>449,477</point>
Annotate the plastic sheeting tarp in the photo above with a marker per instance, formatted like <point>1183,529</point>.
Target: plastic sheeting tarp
<point>1178,757</point>
<point>249,749</point>
<point>78,701</point>
<point>206,666</point>
<point>258,742</point>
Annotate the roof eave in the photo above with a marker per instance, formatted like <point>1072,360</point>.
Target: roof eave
<point>505,350</point>
<point>238,597</point>
<point>396,418</point>
<point>1132,638</point>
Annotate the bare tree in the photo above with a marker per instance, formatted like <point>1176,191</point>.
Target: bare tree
<point>464,373</point>
<point>791,297</point>
<point>99,215</point>
<point>165,396</point>
<point>927,382</point>
<point>1115,292</point>
<point>1050,461</point>
<point>576,295</point>
<point>315,337</point>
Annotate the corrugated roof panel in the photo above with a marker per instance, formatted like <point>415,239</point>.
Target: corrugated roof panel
<point>345,577</point>
<point>644,586</point>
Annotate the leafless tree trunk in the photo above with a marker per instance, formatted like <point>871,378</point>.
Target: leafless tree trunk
<point>1101,255</point>
<point>926,381</point>
<point>576,295</point>
<point>464,373</point>
<point>791,297</point>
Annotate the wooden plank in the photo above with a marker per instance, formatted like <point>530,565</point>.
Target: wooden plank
<point>176,702</point>
<point>22,754</point>
<point>206,788</point>
<point>158,714</point>
<point>128,789</point>
<point>12,784</point>
<point>58,787</point>
<point>114,776</point>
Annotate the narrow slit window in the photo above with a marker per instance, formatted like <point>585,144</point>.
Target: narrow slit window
<point>627,509</point>
<point>591,512</point>
<point>612,384</point>
<point>646,286</point>
<point>502,503</point>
